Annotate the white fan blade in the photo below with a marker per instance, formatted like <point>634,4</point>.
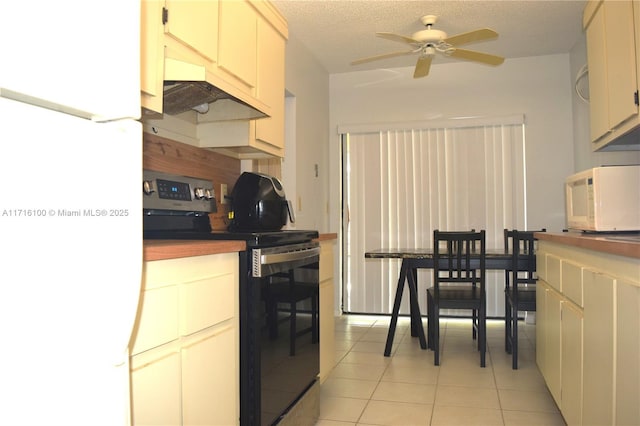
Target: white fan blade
<point>385,56</point>
<point>398,37</point>
<point>472,55</point>
<point>422,66</point>
<point>471,37</point>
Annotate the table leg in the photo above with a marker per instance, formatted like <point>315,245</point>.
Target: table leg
<point>416,319</point>
<point>396,308</point>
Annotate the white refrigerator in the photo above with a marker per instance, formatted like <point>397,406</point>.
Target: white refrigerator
<point>70,210</point>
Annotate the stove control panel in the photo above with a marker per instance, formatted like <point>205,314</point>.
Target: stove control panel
<point>166,192</point>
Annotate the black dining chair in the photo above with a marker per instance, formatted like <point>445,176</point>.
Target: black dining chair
<point>508,234</point>
<point>459,280</point>
<point>520,291</point>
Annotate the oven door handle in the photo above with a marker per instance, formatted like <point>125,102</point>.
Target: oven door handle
<point>268,259</point>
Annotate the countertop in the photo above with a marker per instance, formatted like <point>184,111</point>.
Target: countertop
<point>327,237</point>
<point>173,249</point>
<point>621,244</point>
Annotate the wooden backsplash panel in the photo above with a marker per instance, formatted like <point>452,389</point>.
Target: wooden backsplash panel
<point>168,156</point>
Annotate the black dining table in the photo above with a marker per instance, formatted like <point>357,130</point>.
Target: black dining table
<point>422,258</point>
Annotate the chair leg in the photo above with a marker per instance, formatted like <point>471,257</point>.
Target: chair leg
<point>429,321</point>
<point>507,324</point>
<point>436,335</point>
<point>474,323</point>
<point>514,340</point>
<point>482,335</point>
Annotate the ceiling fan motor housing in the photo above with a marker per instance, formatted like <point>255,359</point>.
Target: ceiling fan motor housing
<point>429,36</point>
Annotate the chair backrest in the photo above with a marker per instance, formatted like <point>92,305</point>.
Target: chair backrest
<point>523,254</point>
<point>459,257</point>
<point>508,235</point>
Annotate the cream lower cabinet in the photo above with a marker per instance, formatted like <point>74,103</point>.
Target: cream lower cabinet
<point>588,333</point>
<point>627,360</point>
<point>327,322</point>
<point>185,350</point>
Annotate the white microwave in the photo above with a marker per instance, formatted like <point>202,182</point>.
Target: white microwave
<point>604,199</point>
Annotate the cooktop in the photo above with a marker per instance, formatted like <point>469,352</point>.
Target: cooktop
<point>253,239</point>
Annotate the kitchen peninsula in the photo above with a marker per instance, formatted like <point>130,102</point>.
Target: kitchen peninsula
<point>588,325</point>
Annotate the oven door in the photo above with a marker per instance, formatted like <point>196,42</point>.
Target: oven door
<point>279,337</point>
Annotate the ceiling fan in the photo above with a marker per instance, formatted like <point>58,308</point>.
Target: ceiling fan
<point>430,41</point>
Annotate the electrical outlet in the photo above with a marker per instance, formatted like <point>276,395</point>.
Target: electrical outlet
<point>223,193</point>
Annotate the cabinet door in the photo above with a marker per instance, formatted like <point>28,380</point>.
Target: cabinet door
<point>541,326</point>
<point>151,55</point>
<point>155,390</point>
<point>327,326</point>
<point>553,348</point>
<point>598,84</point>
<point>620,60</point>
<point>193,23</point>
<point>571,406</point>
<point>238,40</point>
<point>271,70</point>
<point>627,353</point>
<point>598,348</point>
<point>209,379</point>
<point>612,67</point>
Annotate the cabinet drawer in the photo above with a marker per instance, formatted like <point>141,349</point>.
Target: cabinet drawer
<point>541,265</point>
<point>158,323</point>
<point>572,282</point>
<point>206,302</point>
<point>553,271</point>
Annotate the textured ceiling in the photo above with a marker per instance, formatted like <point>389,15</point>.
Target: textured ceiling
<point>340,31</point>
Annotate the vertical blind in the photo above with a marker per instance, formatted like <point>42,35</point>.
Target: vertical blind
<point>402,182</point>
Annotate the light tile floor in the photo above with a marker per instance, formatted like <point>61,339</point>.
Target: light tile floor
<point>366,388</point>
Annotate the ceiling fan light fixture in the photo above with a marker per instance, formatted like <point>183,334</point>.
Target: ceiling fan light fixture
<point>428,50</point>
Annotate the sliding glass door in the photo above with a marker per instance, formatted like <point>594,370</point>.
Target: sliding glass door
<point>402,183</point>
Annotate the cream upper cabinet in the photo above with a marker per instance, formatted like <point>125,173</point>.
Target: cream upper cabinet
<point>194,24</point>
<point>184,30</point>
<point>238,40</point>
<point>262,138</point>
<point>269,132</point>
<point>611,55</point>
<point>235,45</point>
<point>151,56</point>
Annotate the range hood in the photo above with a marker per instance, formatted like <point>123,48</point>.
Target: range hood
<point>188,86</point>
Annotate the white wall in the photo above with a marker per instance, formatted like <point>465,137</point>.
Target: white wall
<point>308,82</point>
<point>539,87</point>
